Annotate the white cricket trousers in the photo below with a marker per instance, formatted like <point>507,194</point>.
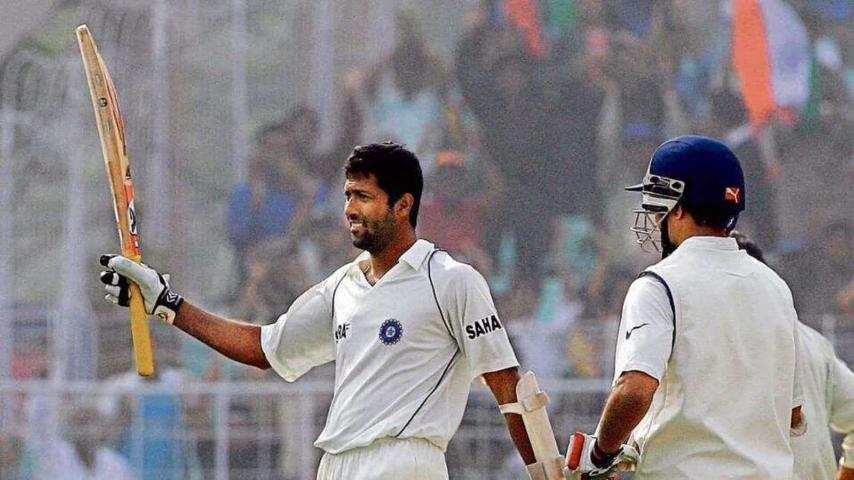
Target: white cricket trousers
<point>386,459</point>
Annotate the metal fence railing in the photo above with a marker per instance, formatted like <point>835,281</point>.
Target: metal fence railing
<point>173,428</point>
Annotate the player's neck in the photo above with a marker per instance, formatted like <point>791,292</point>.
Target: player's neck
<point>383,261</point>
<point>704,232</point>
<point>685,227</point>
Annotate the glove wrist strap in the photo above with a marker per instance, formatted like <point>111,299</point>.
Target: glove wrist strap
<point>167,305</point>
<point>600,458</point>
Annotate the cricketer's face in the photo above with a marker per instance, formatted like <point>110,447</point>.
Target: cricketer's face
<point>371,219</point>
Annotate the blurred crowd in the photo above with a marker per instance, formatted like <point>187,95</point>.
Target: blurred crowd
<point>527,137</point>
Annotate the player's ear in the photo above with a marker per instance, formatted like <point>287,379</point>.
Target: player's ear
<point>678,212</point>
<point>404,205</point>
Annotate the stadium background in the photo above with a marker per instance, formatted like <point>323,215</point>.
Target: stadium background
<point>529,117</point>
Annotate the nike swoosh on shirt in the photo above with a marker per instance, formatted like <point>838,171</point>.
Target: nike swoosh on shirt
<point>629,332</point>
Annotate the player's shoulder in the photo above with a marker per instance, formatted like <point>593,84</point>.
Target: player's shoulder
<point>337,276</point>
<point>672,261</point>
<point>770,275</point>
<point>811,337</point>
<point>443,266</point>
<point>343,270</point>
<point>647,281</point>
<point>649,291</point>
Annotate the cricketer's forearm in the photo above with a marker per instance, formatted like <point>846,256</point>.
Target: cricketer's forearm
<point>503,386</point>
<point>239,341</point>
<point>626,406</point>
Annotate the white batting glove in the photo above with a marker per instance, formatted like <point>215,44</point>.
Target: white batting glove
<point>584,460</point>
<point>159,300</point>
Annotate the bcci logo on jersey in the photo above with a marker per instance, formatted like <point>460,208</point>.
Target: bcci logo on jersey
<point>391,331</point>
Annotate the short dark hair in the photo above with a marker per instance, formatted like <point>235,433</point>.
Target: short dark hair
<point>396,169</point>
<point>711,216</point>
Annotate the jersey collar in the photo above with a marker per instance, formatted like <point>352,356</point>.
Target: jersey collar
<point>417,253</point>
<point>414,257</point>
<point>710,243</point>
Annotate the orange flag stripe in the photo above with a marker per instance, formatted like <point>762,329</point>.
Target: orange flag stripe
<point>752,60</point>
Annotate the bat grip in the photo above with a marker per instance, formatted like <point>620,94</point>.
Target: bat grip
<point>576,447</point>
<point>143,355</point>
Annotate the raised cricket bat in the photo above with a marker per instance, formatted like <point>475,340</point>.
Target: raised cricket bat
<point>111,129</point>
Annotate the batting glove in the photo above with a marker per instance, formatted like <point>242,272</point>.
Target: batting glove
<point>585,460</point>
<point>159,300</point>
<point>847,459</point>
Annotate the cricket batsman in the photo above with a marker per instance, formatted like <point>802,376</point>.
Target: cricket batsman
<point>706,381</point>
<point>407,326</point>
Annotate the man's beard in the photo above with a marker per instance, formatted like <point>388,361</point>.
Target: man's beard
<point>667,247</point>
<point>378,234</point>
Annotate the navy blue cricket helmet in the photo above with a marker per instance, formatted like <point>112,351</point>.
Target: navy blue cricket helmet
<point>699,172</point>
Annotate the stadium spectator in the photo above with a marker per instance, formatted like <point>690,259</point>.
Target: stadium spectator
<point>509,108</point>
<point>537,335</point>
<point>325,247</point>
<point>830,257</point>
<point>455,207</point>
<point>151,424</point>
<point>14,461</point>
<point>727,119</point>
<point>403,95</point>
<point>275,275</point>
<point>323,163</point>
<point>274,202</point>
<point>845,299</point>
<point>590,340</point>
<point>83,452</point>
<point>573,102</point>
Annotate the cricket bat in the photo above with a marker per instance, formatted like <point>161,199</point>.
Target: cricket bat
<point>111,130</point>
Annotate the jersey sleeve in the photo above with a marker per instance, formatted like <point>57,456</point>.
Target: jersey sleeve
<point>842,406</point>
<point>475,324</point>
<point>645,338</point>
<point>842,409</point>
<point>302,338</point>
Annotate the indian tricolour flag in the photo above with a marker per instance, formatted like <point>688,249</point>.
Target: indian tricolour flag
<point>771,57</point>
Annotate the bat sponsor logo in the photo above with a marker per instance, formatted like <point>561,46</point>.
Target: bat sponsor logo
<point>132,219</point>
<point>132,226</point>
<point>483,327</point>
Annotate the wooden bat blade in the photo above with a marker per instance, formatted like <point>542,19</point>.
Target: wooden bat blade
<point>114,149</point>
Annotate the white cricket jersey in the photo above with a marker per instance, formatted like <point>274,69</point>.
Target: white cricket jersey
<point>726,363</point>
<point>828,386</point>
<point>405,349</point>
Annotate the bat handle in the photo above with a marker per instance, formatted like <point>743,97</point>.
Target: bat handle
<point>143,355</point>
